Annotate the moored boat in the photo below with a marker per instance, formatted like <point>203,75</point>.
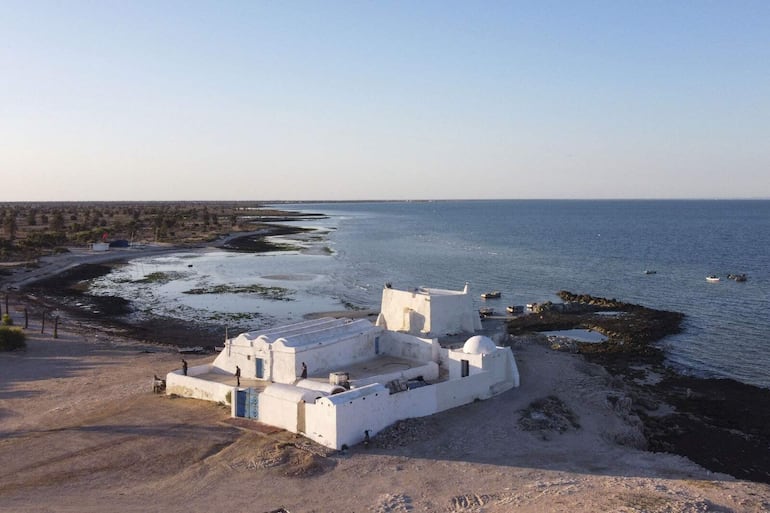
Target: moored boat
<point>491,295</point>
<point>712,278</point>
<point>486,311</point>
<point>511,309</point>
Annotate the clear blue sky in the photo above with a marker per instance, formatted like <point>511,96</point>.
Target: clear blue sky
<point>296,100</point>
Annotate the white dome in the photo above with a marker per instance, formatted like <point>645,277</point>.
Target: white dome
<point>479,344</point>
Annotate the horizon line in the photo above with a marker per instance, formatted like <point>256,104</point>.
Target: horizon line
<point>404,200</point>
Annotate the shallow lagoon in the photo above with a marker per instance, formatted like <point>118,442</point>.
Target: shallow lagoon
<point>244,290</point>
<point>578,334</point>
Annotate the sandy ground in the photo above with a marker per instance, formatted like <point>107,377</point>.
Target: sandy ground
<point>81,431</point>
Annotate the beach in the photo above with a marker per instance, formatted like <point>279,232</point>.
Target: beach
<point>83,431</point>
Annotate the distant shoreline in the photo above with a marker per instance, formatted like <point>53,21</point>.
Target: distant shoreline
<point>53,284</point>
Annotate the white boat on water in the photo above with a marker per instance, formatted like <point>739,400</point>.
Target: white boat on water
<point>712,278</point>
<point>486,311</point>
<point>491,295</point>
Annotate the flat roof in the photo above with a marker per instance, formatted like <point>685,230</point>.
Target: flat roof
<point>377,366</point>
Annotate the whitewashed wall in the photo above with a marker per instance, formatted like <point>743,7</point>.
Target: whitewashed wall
<point>428,314</point>
<point>196,388</point>
<point>502,365</point>
<point>452,314</point>
<point>342,418</point>
<point>322,359</point>
<point>408,346</point>
<point>397,303</point>
<point>244,356</point>
<point>279,411</point>
<point>336,423</point>
<point>321,424</point>
<point>428,372</point>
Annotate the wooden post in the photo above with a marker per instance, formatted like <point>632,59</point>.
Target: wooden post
<point>42,324</point>
<point>26,318</point>
<point>6,304</point>
<point>56,327</point>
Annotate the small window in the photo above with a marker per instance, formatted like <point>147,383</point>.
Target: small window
<point>465,368</point>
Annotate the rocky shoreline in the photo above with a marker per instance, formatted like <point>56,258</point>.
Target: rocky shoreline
<point>720,424</point>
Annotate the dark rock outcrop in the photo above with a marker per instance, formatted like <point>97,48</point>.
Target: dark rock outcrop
<point>720,424</point>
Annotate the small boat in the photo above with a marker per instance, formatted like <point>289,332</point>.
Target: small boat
<point>486,311</point>
<point>712,278</point>
<point>514,309</point>
<point>491,295</point>
<point>650,271</point>
<point>738,277</point>
<point>531,306</point>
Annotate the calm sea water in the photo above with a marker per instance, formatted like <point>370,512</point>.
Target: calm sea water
<point>528,250</point>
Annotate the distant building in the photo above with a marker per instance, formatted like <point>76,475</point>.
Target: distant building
<point>361,377</point>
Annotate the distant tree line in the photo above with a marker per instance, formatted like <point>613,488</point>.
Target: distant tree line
<point>36,228</point>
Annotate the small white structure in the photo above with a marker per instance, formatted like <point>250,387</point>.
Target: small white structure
<point>100,246</point>
<point>428,312</point>
<point>362,377</point>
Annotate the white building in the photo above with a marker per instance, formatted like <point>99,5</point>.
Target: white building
<point>428,312</point>
<point>361,377</point>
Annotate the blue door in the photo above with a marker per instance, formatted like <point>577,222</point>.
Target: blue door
<point>252,411</point>
<point>260,368</point>
<point>240,402</point>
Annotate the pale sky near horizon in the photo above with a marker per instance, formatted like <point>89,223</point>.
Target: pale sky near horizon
<point>333,100</point>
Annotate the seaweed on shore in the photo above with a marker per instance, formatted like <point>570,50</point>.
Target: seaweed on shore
<point>277,293</point>
<point>160,277</point>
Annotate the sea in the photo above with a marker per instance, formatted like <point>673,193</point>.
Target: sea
<point>656,253</point>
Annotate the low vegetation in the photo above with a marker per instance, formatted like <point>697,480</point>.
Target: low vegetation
<point>31,230</point>
<point>12,338</point>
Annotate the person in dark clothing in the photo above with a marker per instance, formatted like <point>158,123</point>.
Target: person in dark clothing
<point>237,376</point>
<point>304,371</point>
<point>184,366</point>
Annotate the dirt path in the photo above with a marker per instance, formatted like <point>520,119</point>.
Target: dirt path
<point>49,266</point>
